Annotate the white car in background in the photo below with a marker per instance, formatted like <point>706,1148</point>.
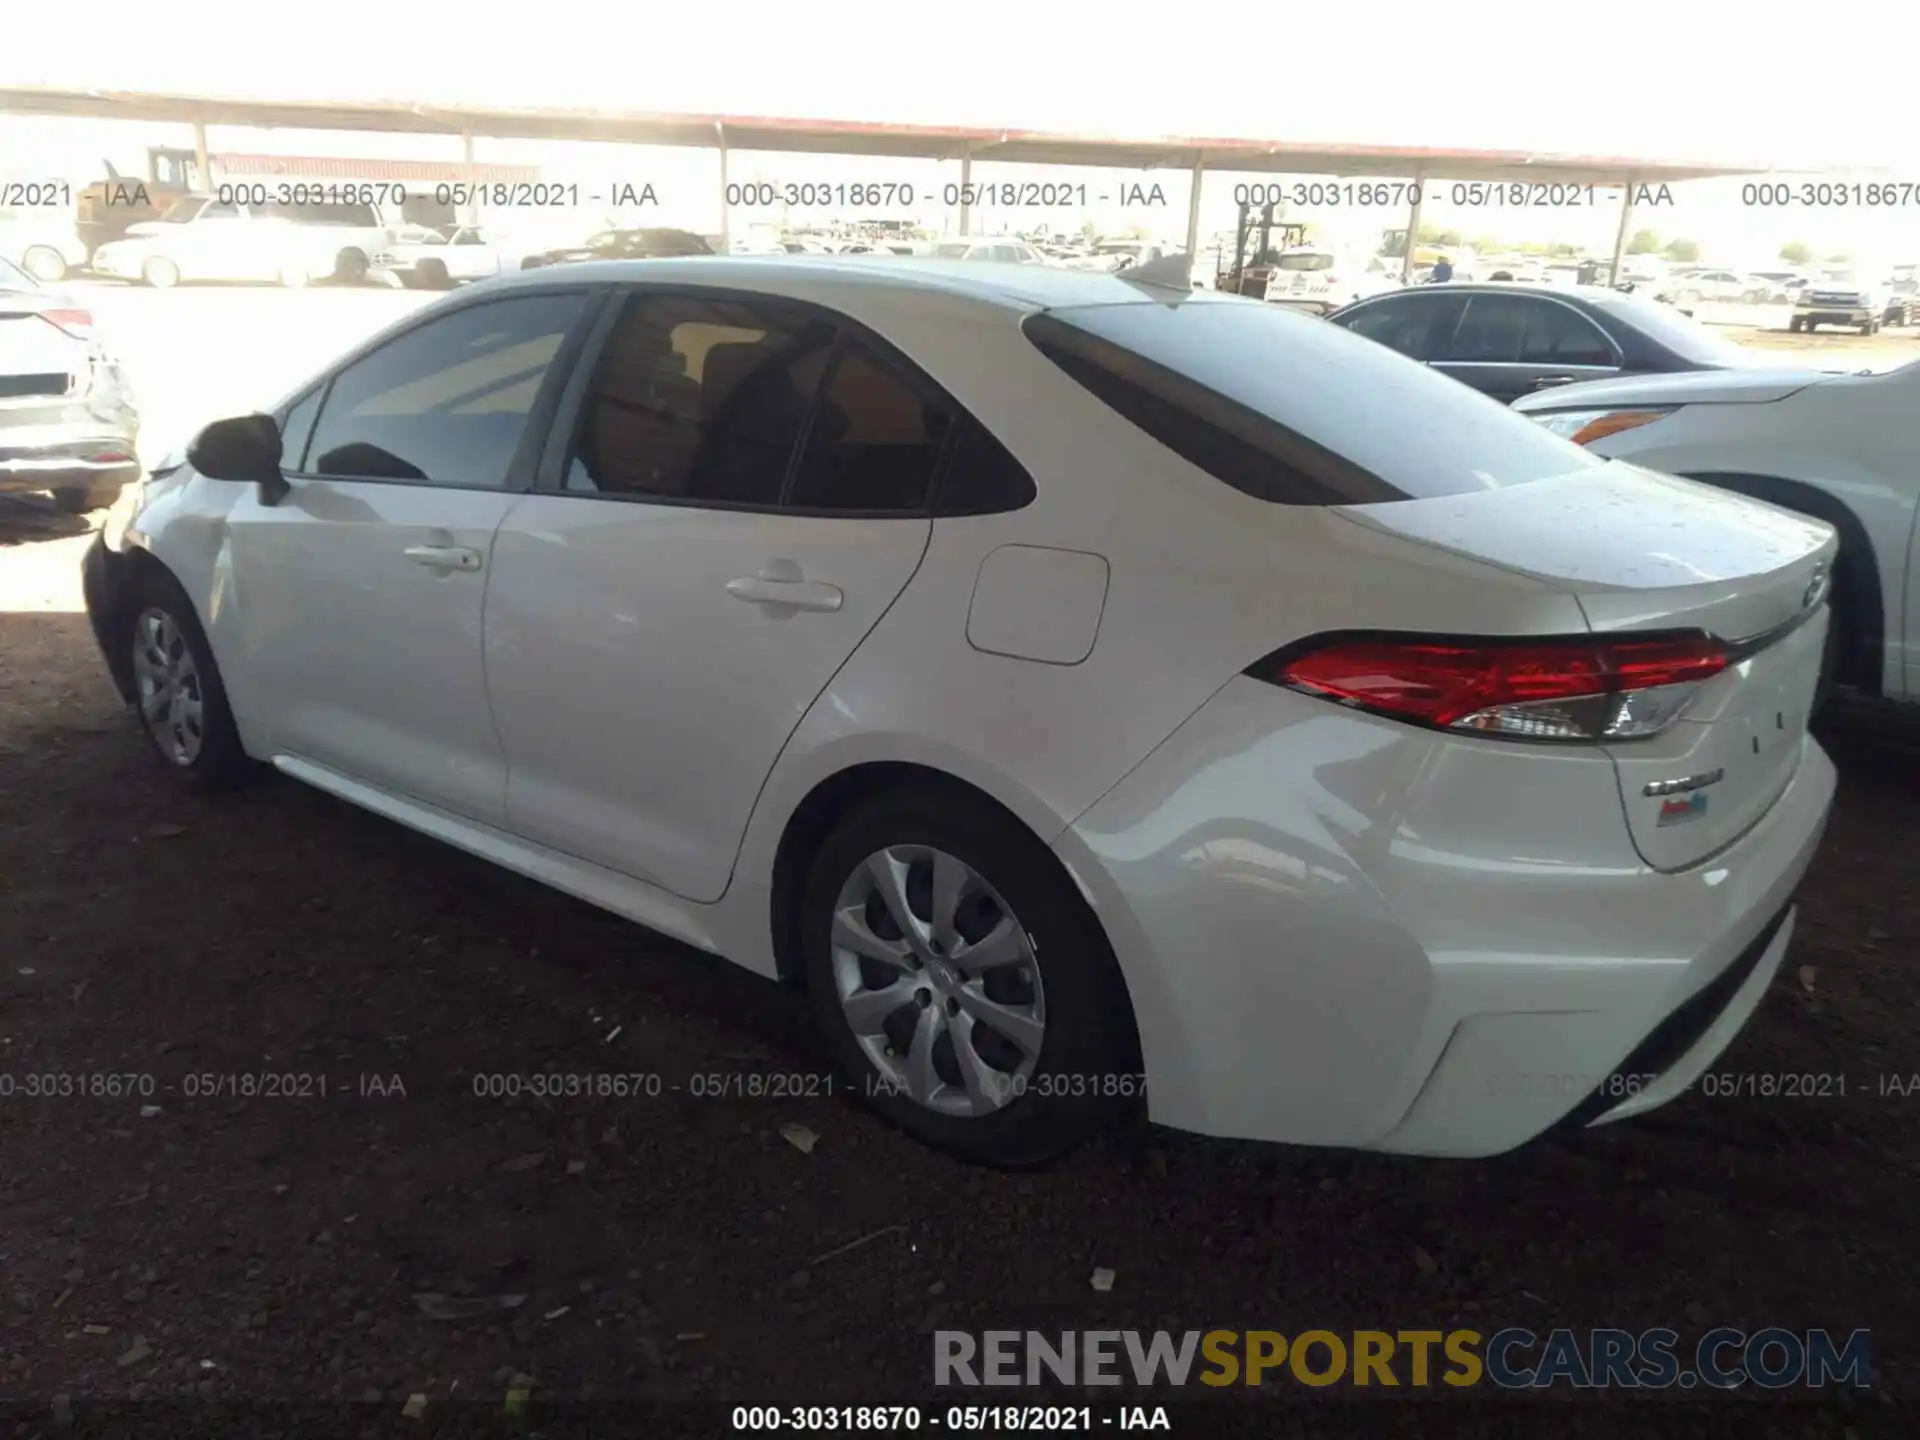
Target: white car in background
<point>1012,252</point>
<point>427,259</point>
<point>1685,289</point>
<point>1076,693</point>
<point>44,244</point>
<point>204,238</point>
<point>1837,447</point>
<point>1321,281</point>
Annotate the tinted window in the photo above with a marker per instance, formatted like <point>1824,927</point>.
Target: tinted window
<point>1305,262</point>
<point>296,427</point>
<point>1290,409</point>
<point>1491,332</point>
<point>1561,335</point>
<point>1682,334</point>
<point>699,400</point>
<point>983,477</point>
<point>874,441</point>
<point>1407,323</point>
<point>446,402</point>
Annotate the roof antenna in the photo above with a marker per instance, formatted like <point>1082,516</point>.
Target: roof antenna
<point>1168,272</point>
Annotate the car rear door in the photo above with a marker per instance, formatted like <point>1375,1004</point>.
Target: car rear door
<point>360,594</point>
<point>734,495</point>
<point>1507,345</point>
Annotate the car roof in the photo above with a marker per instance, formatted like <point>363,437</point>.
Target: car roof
<point>1002,284</point>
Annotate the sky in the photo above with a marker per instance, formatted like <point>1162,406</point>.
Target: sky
<point>1708,81</point>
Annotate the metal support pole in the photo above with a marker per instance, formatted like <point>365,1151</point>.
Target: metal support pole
<point>726,211</point>
<point>1193,208</point>
<point>966,182</point>
<point>1413,229</point>
<point>469,213</point>
<point>1620,235</point>
<point>205,180</point>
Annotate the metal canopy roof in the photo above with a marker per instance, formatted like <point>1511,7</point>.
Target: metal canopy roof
<point>846,137</point>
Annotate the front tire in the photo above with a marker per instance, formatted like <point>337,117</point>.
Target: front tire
<point>160,273</point>
<point>45,264</point>
<point>965,990</point>
<point>178,694</point>
<point>350,267</point>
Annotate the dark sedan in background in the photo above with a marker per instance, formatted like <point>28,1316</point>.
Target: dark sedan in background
<point>67,418</point>
<point>651,244</point>
<point>1512,340</point>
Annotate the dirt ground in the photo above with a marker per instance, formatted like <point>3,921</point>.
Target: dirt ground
<point>160,1243</point>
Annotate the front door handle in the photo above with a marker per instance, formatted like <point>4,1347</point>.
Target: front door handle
<point>780,583</point>
<point>1547,382</point>
<point>443,557</point>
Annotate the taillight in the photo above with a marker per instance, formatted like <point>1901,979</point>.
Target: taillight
<point>1582,689</point>
<point>77,323</point>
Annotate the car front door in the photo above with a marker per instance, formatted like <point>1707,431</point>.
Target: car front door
<point>734,495</point>
<point>360,594</point>
<point>1413,322</point>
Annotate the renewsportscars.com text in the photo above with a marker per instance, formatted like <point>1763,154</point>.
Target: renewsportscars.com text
<point>1512,1358</point>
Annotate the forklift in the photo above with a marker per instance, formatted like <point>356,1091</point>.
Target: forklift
<point>1255,253</point>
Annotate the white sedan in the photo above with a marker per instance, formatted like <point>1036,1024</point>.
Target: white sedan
<point>1837,447</point>
<point>428,259</point>
<point>1088,692</point>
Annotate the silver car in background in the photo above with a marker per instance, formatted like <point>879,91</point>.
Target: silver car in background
<point>67,419</point>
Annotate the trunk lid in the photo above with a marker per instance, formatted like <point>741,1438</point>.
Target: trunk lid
<point>38,360</point>
<point>1641,551</point>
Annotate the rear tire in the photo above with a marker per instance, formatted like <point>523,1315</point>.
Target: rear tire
<point>433,275</point>
<point>350,267</point>
<point>937,1062</point>
<point>179,697</point>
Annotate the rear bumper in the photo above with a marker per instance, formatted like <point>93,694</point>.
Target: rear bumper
<point>88,442</point>
<point>1341,931</point>
<point>1858,315</point>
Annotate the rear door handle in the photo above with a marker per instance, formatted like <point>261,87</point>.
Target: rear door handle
<point>781,583</point>
<point>443,557</point>
<point>1547,382</point>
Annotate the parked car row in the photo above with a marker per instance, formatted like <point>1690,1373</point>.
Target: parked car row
<point>1088,694</point>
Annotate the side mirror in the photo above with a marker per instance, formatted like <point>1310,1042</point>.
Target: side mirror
<point>245,448</point>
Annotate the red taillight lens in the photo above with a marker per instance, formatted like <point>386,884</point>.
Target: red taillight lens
<point>77,323</point>
<point>1598,689</point>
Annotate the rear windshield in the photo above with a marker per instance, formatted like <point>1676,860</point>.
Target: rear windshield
<point>1680,333</point>
<point>1306,262</point>
<point>1294,410</point>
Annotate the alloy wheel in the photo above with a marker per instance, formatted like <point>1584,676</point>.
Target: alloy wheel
<point>937,980</point>
<point>172,703</point>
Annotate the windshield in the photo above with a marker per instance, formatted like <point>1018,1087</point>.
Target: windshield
<point>952,250</point>
<point>1682,334</point>
<point>184,209</point>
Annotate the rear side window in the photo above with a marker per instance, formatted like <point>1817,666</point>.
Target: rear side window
<point>1492,331</point>
<point>1560,335</point>
<point>1294,410</point>
<point>873,443</point>
<point>699,401</point>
